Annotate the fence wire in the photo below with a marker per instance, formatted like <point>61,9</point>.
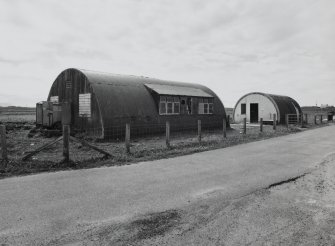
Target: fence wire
<point>23,138</point>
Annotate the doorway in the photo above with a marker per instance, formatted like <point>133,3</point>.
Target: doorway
<point>253,112</point>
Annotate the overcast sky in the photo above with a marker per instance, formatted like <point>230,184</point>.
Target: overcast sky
<point>232,46</point>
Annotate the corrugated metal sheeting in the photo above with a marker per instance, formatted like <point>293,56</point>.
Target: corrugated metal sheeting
<point>286,105</point>
<point>119,99</point>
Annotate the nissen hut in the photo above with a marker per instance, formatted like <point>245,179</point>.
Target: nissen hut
<point>256,105</point>
<point>102,103</point>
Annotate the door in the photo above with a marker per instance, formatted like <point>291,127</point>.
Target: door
<point>253,112</point>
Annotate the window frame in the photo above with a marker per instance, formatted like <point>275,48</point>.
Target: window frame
<point>206,106</point>
<point>169,100</point>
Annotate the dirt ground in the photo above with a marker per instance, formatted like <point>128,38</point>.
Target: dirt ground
<point>299,211</point>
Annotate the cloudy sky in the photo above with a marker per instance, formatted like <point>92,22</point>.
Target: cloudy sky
<point>232,46</point>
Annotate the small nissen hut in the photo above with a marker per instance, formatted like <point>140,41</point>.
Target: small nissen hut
<point>256,105</point>
<point>102,103</point>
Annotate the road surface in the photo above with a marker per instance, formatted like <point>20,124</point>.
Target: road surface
<point>44,208</point>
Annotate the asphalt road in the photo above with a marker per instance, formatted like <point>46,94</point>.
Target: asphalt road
<point>39,208</point>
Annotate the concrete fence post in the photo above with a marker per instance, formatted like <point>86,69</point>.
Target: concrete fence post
<point>127,138</point>
<point>224,128</point>
<point>274,121</point>
<point>261,125</point>
<point>167,133</point>
<point>245,126</point>
<point>66,143</point>
<point>3,142</point>
<point>199,131</point>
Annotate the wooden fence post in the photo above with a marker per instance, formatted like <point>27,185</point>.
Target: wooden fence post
<point>224,128</point>
<point>315,122</point>
<point>167,131</point>
<point>3,142</point>
<point>274,121</point>
<point>66,144</point>
<point>261,125</point>
<point>287,120</point>
<point>199,131</point>
<point>245,126</point>
<point>127,138</point>
<point>321,119</point>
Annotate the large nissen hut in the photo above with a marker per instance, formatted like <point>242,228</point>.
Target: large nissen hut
<point>102,103</point>
<point>256,105</point>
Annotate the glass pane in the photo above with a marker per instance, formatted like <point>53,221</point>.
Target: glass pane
<point>163,99</point>
<point>206,100</point>
<point>210,100</point>
<point>176,108</point>
<point>162,108</point>
<point>201,108</point>
<point>211,108</point>
<point>206,108</point>
<point>169,99</point>
<point>169,108</point>
<point>176,99</point>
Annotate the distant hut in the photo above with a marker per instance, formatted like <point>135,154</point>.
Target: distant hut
<point>102,103</point>
<point>326,111</point>
<point>256,105</point>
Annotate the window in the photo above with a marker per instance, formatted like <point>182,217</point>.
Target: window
<point>85,105</point>
<point>243,108</point>
<point>162,108</point>
<point>169,105</point>
<point>210,110</point>
<point>169,108</point>
<point>54,99</point>
<point>206,106</point>
<point>176,108</point>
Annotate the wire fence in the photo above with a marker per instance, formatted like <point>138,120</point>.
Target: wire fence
<point>20,140</point>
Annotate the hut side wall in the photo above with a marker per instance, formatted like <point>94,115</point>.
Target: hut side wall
<point>137,106</point>
<point>286,105</point>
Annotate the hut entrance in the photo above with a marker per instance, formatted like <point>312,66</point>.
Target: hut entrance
<point>253,112</point>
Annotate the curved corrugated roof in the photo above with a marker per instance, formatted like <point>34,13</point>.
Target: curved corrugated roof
<point>133,98</point>
<point>283,104</point>
<point>128,96</point>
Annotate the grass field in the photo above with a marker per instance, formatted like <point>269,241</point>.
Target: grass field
<point>17,118</point>
<point>17,114</point>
